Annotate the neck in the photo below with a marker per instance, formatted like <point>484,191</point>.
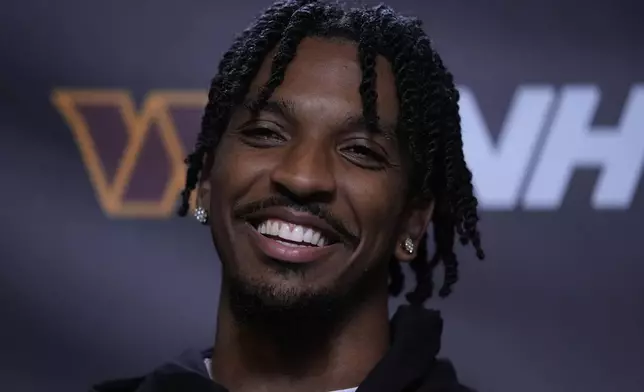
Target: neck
<point>254,359</point>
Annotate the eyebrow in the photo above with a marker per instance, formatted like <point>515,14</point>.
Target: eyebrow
<point>280,107</point>
<point>286,109</point>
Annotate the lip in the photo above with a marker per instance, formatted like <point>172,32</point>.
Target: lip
<point>298,218</point>
<point>285,253</point>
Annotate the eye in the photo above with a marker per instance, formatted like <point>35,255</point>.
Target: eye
<point>365,157</point>
<point>261,137</point>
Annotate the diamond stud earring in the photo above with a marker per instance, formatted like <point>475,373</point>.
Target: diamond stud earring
<point>409,246</point>
<point>201,215</point>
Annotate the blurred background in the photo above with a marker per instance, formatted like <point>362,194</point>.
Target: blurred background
<point>100,100</point>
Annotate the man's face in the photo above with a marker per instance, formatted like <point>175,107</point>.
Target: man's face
<point>305,200</point>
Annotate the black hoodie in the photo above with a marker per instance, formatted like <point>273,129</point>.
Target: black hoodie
<point>410,365</point>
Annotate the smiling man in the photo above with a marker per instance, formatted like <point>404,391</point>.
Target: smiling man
<point>330,142</point>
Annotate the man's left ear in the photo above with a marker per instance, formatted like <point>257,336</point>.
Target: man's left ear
<point>413,228</point>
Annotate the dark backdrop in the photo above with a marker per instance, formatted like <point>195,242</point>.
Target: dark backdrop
<point>97,280</point>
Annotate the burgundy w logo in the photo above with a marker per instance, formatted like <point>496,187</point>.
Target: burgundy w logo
<point>134,157</point>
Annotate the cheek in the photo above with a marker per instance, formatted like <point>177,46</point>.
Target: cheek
<point>234,171</point>
<point>376,199</point>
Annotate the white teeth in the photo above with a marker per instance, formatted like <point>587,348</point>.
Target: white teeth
<point>308,236</point>
<point>291,232</point>
<point>275,228</point>
<point>284,233</point>
<point>297,235</point>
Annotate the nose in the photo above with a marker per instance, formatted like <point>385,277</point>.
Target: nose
<point>305,173</point>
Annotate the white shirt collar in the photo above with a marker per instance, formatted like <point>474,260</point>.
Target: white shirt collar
<point>208,362</point>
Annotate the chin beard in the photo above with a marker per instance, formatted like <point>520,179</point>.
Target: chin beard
<point>301,323</point>
<point>283,310</point>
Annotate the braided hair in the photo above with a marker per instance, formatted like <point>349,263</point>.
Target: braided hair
<point>429,120</point>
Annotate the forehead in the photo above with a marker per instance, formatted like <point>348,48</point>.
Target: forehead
<point>327,72</point>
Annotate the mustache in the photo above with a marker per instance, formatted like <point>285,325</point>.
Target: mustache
<point>244,211</point>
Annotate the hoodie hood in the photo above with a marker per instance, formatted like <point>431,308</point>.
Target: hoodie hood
<point>409,365</point>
